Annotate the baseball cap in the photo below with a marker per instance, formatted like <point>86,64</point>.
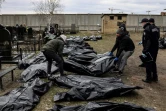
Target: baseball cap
<point>144,20</point>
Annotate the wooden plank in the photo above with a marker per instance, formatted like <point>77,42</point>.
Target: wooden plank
<point>3,72</point>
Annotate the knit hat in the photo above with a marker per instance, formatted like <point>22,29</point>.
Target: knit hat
<point>120,31</point>
<point>63,37</point>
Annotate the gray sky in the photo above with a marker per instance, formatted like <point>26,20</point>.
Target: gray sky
<point>90,6</point>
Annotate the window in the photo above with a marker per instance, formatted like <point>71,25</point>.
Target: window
<point>119,17</point>
<point>111,17</point>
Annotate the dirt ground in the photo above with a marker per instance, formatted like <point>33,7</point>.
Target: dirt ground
<point>152,95</point>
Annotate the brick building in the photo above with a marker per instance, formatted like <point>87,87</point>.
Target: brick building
<point>163,13</point>
<point>111,22</point>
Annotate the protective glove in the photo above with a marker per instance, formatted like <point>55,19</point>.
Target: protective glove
<point>116,59</point>
<point>140,43</point>
<point>110,54</point>
<point>143,55</point>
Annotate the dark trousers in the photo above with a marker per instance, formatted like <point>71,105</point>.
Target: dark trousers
<point>52,56</point>
<point>151,67</point>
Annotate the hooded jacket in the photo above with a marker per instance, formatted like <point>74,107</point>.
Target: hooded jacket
<point>123,42</point>
<point>155,32</point>
<point>1,26</point>
<point>150,38</point>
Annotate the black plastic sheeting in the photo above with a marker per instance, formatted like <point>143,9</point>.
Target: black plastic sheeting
<point>162,43</point>
<point>67,50</point>
<point>91,88</point>
<point>70,49</point>
<point>102,106</point>
<point>97,67</point>
<point>24,98</point>
<point>85,56</point>
<point>92,38</point>
<point>75,40</point>
<point>82,56</point>
<point>74,44</point>
<point>37,70</point>
<point>34,60</point>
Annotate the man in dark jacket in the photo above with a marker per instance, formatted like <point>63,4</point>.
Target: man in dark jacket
<point>152,22</point>
<point>150,45</point>
<point>125,47</point>
<point>116,46</point>
<point>52,50</point>
<point>1,26</point>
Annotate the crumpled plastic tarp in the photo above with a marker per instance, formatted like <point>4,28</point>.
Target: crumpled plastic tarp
<point>82,56</point>
<point>39,58</point>
<point>162,43</point>
<point>70,49</point>
<point>92,38</point>
<point>97,67</point>
<point>91,88</point>
<point>85,56</point>
<point>102,106</point>
<point>67,50</point>
<point>75,40</point>
<point>37,70</point>
<point>74,44</point>
<point>24,98</point>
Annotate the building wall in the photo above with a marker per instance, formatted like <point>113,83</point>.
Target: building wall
<point>83,21</point>
<point>111,26</point>
<point>163,13</point>
<point>133,22</point>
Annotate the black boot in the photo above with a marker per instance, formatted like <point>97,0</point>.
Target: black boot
<point>155,79</point>
<point>146,81</point>
<point>115,70</point>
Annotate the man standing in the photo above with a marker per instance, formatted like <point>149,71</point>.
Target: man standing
<point>52,50</point>
<point>150,45</point>
<point>152,22</point>
<point>125,48</point>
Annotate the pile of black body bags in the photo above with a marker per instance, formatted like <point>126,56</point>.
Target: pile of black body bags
<point>85,83</point>
<point>24,98</point>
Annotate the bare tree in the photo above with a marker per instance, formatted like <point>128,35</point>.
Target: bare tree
<point>47,8</point>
